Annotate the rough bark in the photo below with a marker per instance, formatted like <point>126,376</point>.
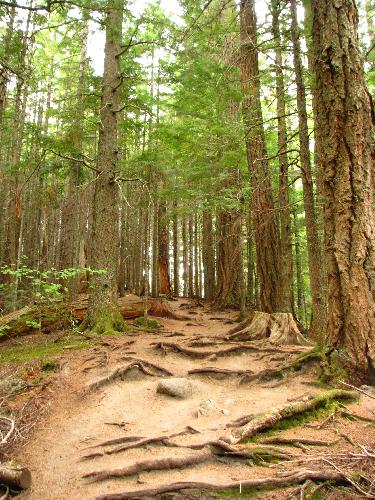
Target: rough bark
<point>314,250</point>
<point>163,253</point>
<point>266,233</point>
<point>102,313</point>
<point>176,261</point>
<point>286,261</point>
<point>278,328</point>
<point>208,256</point>
<point>345,132</point>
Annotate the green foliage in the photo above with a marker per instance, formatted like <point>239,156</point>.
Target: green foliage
<point>45,287</point>
<point>147,324</point>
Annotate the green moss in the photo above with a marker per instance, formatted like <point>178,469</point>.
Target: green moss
<point>327,408</point>
<point>48,365</point>
<point>146,324</point>
<point>105,321</point>
<point>43,351</point>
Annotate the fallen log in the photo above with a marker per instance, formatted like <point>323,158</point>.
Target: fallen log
<point>15,477</point>
<point>294,477</point>
<point>165,463</point>
<point>61,314</point>
<point>269,419</point>
<point>278,328</point>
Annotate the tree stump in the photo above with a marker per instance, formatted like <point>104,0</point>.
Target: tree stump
<point>15,477</point>
<point>278,328</point>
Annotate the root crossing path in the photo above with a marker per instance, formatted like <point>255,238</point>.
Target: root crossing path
<point>110,433</point>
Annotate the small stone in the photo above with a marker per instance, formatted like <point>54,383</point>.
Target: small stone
<point>213,357</point>
<point>208,408</point>
<point>176,387</point>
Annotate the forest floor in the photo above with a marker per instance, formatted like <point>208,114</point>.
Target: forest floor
<point>69,421</point>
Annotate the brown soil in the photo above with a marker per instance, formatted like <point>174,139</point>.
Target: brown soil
<point>77,422</point>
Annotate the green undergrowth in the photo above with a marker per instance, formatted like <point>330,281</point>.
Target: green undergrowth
<point>40,351</point>
<point>147,324</point>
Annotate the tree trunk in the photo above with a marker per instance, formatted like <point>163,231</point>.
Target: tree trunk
<point>103,313</point>
<point>345,133</point>
<point>318,319</point>
<point>176,261</point>
<point>266,233</point>
<point>164,281</point>
<point>208,256</point>
<point>286,261</point>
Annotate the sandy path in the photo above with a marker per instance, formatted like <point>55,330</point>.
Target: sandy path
<point>76,422</point>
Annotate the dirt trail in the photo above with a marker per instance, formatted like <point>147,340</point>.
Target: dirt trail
<point>76,422</point>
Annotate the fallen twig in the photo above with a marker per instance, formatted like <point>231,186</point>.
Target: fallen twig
<point>357,389</point>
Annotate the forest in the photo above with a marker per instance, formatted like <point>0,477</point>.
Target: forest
<point>187,249</point>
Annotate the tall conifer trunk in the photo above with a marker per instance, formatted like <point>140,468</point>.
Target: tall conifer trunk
<point>346,143</point>
<point>313,241</point>
<point>266,232</point>
<point>103,313</point>
<point>285,226</point>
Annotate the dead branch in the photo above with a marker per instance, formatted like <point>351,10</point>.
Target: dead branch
<point>11,425</point>
<point>269,419</point>
<point>15,477</point>
<point>298,476</point>
<point>165,463</point>
<point>357,389</point>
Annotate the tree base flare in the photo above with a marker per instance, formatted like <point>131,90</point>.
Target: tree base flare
<point>104,320</point>
<point>278,328</point>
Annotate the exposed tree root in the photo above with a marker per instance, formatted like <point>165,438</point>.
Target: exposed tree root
<point>297,442</point>
<point>278,328</point>
<point>164,439</point>
<point>151,364</point>
<point>236,349</point>
<point>240,421</point>
<point>121,371</point>
<point>269,419</point>
<point>294,477</point>
<point>165,463</point>
<point>300,362</point>
<point>219,372</point>
<point>255,452</point>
